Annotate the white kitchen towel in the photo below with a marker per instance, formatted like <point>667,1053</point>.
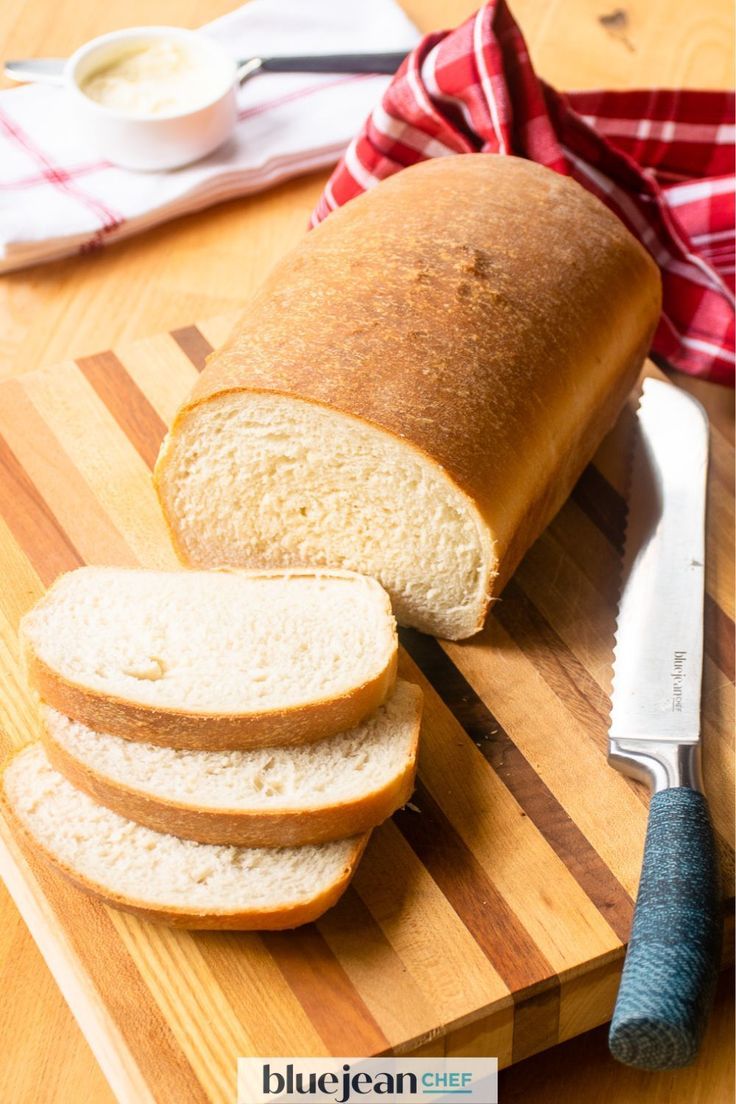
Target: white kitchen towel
<point>57,198</point>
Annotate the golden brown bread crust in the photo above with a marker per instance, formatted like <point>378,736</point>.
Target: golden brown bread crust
<point>266,828</point>
<point>482,308</point>
<point>207,731</point>
<point>277,919</point>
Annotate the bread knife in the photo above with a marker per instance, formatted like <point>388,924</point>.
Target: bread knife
<point>673,955</point>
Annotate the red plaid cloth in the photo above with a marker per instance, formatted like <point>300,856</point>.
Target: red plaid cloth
<point>661,160</point>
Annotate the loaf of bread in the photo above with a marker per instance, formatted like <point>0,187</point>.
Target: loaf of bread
<point>260,797</point>
<point>415,389</point>
<point>161,877</point>
<point>212,659</point>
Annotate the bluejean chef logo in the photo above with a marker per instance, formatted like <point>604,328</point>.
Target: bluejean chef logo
<point>349,1083</point>
<point>678,677</point>
<point>367,1080</point>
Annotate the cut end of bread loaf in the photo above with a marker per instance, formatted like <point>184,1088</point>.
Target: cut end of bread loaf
<point>212,659</point>
<point>162,877</point>
<point>255,479</point>
<point>265,797</point>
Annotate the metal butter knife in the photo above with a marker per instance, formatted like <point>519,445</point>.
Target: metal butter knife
<point>51,70</point>
<point>672,961</point>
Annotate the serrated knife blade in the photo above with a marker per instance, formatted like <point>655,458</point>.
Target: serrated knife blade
<point>658,657</point>
<point>672,959</point>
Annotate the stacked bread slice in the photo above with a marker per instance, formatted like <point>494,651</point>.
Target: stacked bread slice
<point>216,745</point>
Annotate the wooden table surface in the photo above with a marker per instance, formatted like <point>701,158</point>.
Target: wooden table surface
<point>207,264</point>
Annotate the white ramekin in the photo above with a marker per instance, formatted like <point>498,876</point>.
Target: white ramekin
<point>153,142</point>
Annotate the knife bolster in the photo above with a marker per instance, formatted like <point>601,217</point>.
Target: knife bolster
<point>662,764</point>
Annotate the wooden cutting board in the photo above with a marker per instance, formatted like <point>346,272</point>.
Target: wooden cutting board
<point>490,916</point>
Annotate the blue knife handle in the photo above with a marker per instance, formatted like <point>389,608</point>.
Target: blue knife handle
<point>671,966</point>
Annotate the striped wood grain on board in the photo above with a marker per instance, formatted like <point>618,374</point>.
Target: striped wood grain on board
<point>489,916</point>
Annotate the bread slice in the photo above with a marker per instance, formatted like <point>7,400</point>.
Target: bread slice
<point>415,389</point>
<point>265,797</point>
<point>212,659</point>
<point>162,877</point>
